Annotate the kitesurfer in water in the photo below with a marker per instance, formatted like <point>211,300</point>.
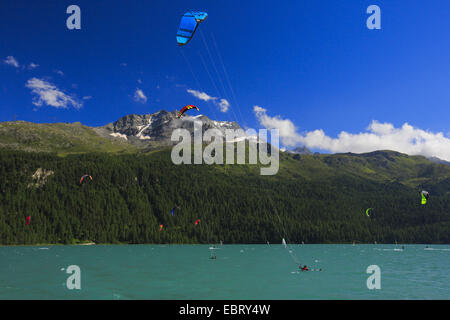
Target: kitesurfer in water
<point>213,255</point>
<point>304,268</point>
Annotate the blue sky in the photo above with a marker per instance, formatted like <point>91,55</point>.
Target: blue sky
<point>307,65</point>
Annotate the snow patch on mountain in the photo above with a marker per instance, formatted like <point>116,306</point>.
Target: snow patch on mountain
<point>158,127</point>
<point>119,135</point>
<point>142,128</point>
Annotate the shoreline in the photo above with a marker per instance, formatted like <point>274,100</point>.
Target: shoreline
<point>209,244</point>
<point>50,244</point>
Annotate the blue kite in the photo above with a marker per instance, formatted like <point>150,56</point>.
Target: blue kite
<point>188,25</point>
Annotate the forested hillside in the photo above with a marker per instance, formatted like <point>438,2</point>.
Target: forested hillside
<point>313,198</point>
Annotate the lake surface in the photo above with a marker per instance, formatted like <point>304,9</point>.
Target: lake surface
<point>239,272</point>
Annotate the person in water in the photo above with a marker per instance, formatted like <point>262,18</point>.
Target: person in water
<point>304,268</point>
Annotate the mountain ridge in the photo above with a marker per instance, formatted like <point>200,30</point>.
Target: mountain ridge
<point>158,126</point>
<point>132,133</point>
<point>320,197</point>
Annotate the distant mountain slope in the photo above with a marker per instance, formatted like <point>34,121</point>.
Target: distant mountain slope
<point>57,137</point>
<point>437,160</point>
<point>380,166</point>
<point>131,133</point>
<point>300,150</point>
<point>141,133</point>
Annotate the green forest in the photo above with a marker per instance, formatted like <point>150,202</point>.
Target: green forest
<point>313,198</point>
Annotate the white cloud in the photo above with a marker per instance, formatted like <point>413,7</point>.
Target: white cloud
<point>49,94</point>
<point>201,95</point>
<point>139,96</point>
<point>378,136</point>
<point>223,104</point>
<point>288,131</point>
<point>123,64</point>
<point>87,97</point>
<point>59,72</point>
<point>10,60</point>
<point>384,136</point>
<point>32,66</point>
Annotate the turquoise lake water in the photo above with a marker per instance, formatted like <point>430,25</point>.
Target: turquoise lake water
<point>239,272</point>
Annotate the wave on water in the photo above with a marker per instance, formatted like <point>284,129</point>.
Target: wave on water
<point>310,270</point>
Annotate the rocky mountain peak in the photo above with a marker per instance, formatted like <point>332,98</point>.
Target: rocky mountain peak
<point>158,127</point>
